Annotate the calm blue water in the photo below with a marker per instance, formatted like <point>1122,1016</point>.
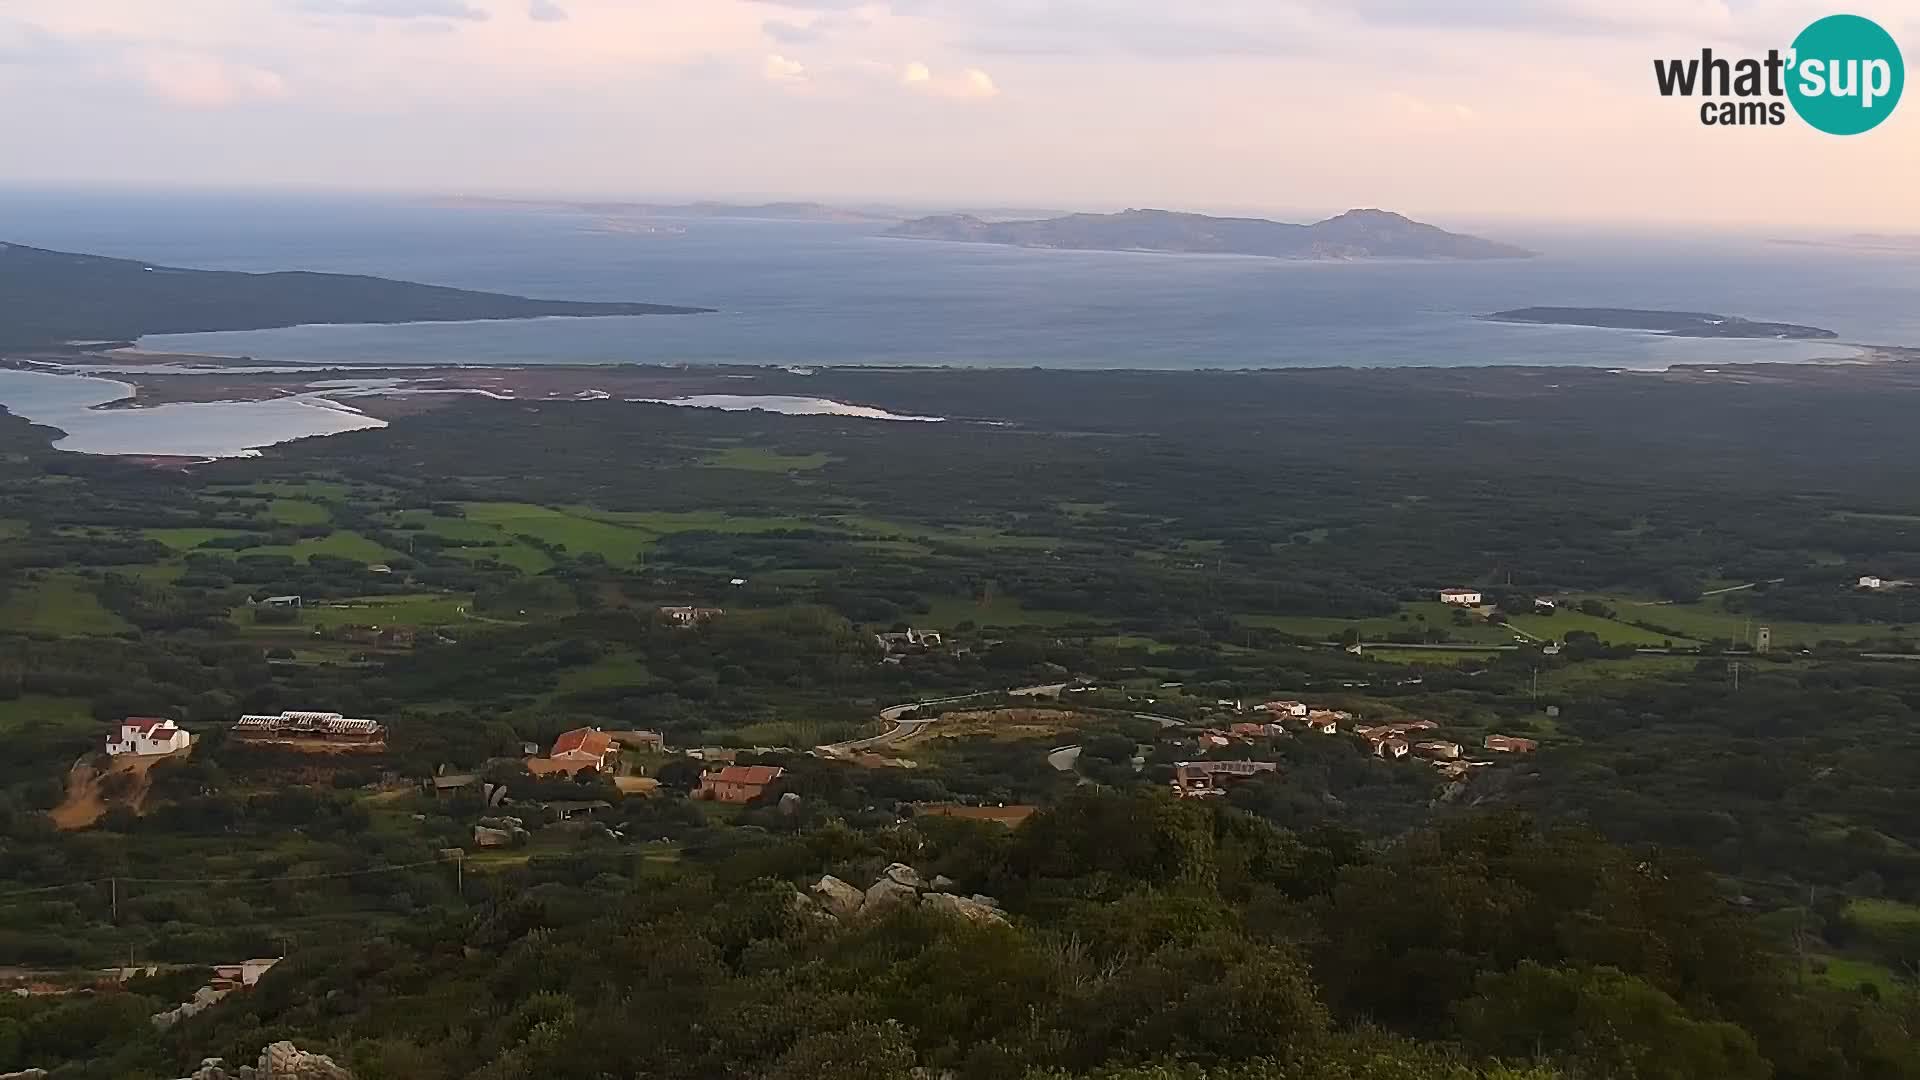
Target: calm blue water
<point>190,429</point>
<point>818,294</point>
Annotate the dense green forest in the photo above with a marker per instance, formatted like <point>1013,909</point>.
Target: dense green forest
<point>1707,868</point>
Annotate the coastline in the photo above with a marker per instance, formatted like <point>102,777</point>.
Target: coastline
<point>270,403</point>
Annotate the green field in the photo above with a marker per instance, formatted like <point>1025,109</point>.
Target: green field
<point>1594,673</point>
<point>660,523</point>
<point>1709,619</point>
<point>188,539</point>
<point>341,544</point>
<point>58,604</point>
<point>754,459</point>
<point>618,669</point>
<point>1430,657</point>
<point>619,545</point>
<point>1555,627</point>
<point>32,712</point>
<point>1843,973</point>
<point>10,528</point>
<point>312,489</point>
<point>503,547</point>
<point>298,512</point>
<point>418,609</point>
<point>1326,628</point>
<point>948,611</point>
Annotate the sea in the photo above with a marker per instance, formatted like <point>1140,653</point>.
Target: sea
<point>803,293</point>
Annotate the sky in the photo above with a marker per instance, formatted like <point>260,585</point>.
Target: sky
<point>1443,109</point>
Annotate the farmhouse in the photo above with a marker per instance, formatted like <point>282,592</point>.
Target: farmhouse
<point>1511,744</point>
<point>1463,597</point>
<point>147,735</point>
<point>328,730</point>
<point>690,616</point>
<point>586,746</point>
<point>1296,709</point>
<point>1438,749</point>
<point>1870,581</point>
<point>282,601</point>
<point>738,783</point>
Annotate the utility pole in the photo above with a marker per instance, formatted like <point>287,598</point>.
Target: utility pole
<point>1735,665</point>
<point>113,885</point>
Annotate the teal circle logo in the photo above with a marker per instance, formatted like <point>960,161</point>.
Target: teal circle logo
<point>1846,75</point>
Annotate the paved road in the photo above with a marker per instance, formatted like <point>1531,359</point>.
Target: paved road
<point>903,729</point>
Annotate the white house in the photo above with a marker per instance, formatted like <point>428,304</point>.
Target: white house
<point>1872,582</point>
<point>1463,597</point>
<point>147,735</point>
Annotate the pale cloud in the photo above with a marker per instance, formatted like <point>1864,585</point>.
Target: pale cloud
<point>205,82</point>
<point>546,11</point>
<point>1440,108</point>
<point>396,9</point>
<point>968,84</point>
<point>780,69</point>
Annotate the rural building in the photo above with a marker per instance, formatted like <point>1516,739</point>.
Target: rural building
<point>1388,745</point>
<point>541,766</point>
<point>1324,723</point>
<point>650,741</point>
<point>1511,744</point>
<point>1872,582</point>
<point>908,640</point>
<point>738,783</point>
<point>1257,731</point>
<point>329,729</point>
<point>1201,779</point>
<point>1298,710</point>
<point>690,616</point>
<point>1438,749</point>
<point>282,601</point>
<point>588,747</point>
<point>1545,603</point>
<point>243,974</point>
<point>1463,597</point>
<point>147,735</point>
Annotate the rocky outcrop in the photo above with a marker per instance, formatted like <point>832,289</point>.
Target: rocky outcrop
<point>888,893</point>
<point>840,899</point>
<point>899,886</point>
<point>979,910</point>
<point>280,1061</point>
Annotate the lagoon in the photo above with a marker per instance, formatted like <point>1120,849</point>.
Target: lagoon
<point>197,429</point>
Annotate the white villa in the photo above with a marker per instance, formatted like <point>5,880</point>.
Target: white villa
<point>141,735</point>
<point>1463,597</point>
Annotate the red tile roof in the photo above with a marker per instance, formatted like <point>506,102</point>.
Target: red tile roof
<point>583,742</point>
<point>145,725</point>
<point>748,775</point>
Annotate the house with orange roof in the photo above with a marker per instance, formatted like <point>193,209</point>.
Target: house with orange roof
<point>738,783</point>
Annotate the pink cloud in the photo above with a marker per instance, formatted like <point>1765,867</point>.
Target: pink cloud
<point>204,82</point>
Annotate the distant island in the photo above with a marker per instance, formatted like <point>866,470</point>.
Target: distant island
<point>1356,234</point>
<point>1698,324</point>
<point>706,208</point>
<point>51,297</point>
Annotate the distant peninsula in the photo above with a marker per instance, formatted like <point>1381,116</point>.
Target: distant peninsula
<point>1698,324</point>
<point>51,297</point>
<point>1356,234</point>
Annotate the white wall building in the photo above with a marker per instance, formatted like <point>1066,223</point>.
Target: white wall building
<point>1463,597</point>
<point>147,735</point>
<point>1871,582</point>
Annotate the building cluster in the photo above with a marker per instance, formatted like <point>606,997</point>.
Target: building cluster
<point>147,735</point>
<point>686,616</point>
<point>299,728</point>
<point>1206,779</point>
<point>908,641</point>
